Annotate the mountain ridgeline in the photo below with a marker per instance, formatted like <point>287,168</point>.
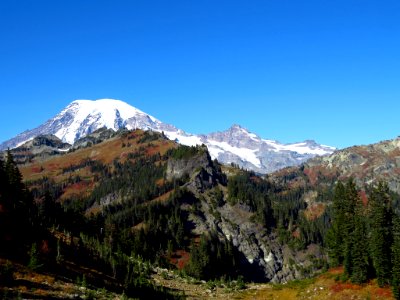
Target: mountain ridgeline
<point>236,145</point>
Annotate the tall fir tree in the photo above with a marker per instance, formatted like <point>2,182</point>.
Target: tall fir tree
<point>13,174</point>
<point>16,206</point>
<point>359,253</point>
<point>347,237</point>
<point>3,202</point>
<point>351,199</point>
<point>396,257</point>
<point>2,176</point>
<point>381,214</point>
<point>335,235</point>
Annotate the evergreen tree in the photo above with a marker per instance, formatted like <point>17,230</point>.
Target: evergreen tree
<point>4,222</point>
<point>335,236</point>
<point>16,207</point>
<point>347,238</point>
<point>13,174</point>
<point>34,258</point>
<point>396,257</point>
<point>349,210</point>
<point>381,213</point>
<point>359,254</point>
<point>3,179</point>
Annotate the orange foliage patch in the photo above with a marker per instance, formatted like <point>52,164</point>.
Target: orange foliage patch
<point>159,147</point>
<point>124,155</point>
<point>383,292</point>
<point>296,233</point>
<point>77,189</point>
<point>160,182</point>
<point>314,211</point>
<point>36,169</point>
<point>161,198</point>
<point>312,175</point>
<point>44,247</point>
<point>152,150</point>
<point>93,211</point>
<point>394,153</point>
<point>180,259</point>
<point>53,166</point>
<point>339,287</point>
<point>363,197</point>
<point>336,271</point>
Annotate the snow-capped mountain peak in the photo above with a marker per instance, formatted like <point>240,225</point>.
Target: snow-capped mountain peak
<point>238,131</point>
<point>235,145</point>
<point>240,146</point>
<point>82,117</point>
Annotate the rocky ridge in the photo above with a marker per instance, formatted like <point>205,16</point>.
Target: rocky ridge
<point>366,164</point>
<point>42,146</point>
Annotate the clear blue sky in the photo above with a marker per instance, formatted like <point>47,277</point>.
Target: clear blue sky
<point>285,69</point>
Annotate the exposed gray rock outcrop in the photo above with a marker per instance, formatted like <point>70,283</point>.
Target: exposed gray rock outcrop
<point>264,258</point>
<point>41,146</point>
<point>203,171</point>
<point>366,164</point>
<point>96,137</point>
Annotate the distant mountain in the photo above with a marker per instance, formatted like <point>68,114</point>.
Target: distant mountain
<point>83,117</point>
<point>248,150</point>
<point>367,164</point>
<point>235,145</point>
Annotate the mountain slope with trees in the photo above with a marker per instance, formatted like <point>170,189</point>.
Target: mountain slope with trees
<point>135,201</point>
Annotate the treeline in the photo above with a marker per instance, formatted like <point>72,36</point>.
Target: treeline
<point>17,209</point>
<point>95,165</point>
<point>24,221</point>
<point>184,152</point>
<point>365,237</point>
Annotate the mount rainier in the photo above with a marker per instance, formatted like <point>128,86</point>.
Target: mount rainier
<point>235,145</point>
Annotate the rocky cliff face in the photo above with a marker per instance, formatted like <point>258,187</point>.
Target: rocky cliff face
<point>264,258</point>
<point>204,173</point>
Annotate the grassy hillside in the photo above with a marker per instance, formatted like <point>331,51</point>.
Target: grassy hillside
<point>325,286</point>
